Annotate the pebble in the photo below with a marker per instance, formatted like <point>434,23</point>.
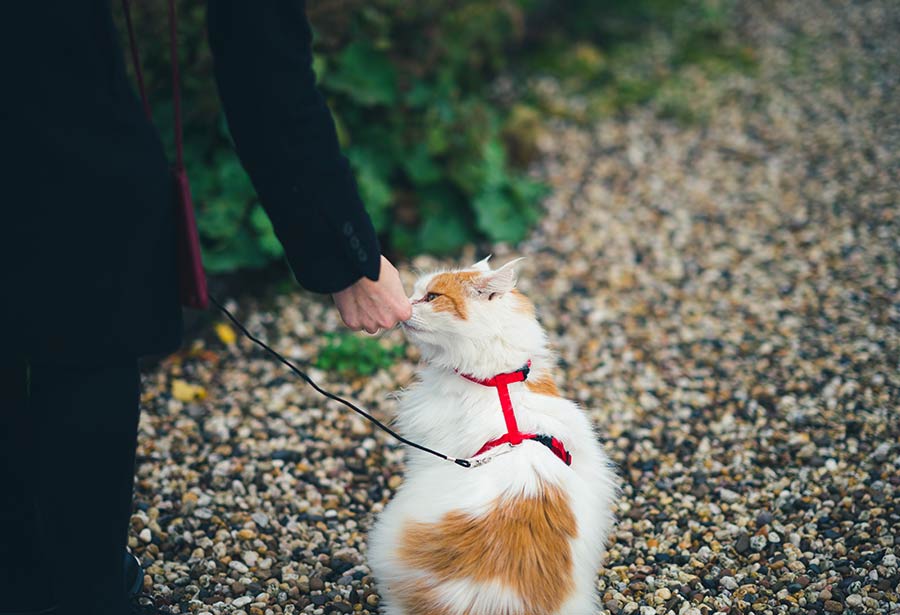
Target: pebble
<point>729,496</point>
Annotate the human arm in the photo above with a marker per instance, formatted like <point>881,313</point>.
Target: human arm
<point>286,139</point>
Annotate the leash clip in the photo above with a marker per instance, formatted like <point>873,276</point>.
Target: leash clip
<point>477,462</point>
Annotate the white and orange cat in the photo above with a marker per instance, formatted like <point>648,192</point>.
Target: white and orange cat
<point>524,533</point>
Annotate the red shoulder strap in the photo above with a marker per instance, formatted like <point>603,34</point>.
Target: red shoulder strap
<point>176,77</point>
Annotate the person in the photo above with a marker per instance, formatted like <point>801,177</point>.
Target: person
<point>89,285</point>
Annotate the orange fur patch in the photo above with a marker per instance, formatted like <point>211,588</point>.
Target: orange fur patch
<point>418,597</point>
<point>543,385</point>
<point>523,304</point>
<point>521,542</point>
<point>451,288</point>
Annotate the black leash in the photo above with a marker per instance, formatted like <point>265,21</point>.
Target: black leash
<point>460,462</point>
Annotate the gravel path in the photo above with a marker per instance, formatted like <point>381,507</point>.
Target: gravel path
<point>724,299</point>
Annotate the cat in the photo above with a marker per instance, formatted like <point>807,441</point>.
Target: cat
<point>524,533</point>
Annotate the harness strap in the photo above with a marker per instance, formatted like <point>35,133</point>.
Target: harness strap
<point>513,436</point>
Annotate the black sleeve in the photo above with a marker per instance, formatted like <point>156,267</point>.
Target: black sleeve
<point>286,140</point>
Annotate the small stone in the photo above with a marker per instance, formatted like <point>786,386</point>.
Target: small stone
<point>260,518</point>
<point>764,518</point>
<point>203,513</point>
<point>881,452</point>
<point>889,560</point>
<point>239,566</point>
<point>372,600</point>
<point>728,583</point>
<point>146,535</point>
<point>663,594</point>
<point>854,600</point>
<point>758,542</point>
<point>729,496</point>
<point>742,544</point>
<point>242,601</point>
<point>833,606</point>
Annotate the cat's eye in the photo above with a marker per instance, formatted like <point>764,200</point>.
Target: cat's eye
<point>431,296</point>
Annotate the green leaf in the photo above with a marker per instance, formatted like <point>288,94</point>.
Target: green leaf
<point>221,218</point>
<point>494,161</point>
<point>372,174</point>
<point>529,192</point>
<point>364,74</point>
<point>348,354</point>
<point>497,217</point>
<point>265,233</point>
<point>420,167</point>
<point>444,233</point>
<point>444,227</point>
<point>420,94</point>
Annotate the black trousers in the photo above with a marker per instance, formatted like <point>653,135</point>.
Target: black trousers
<point>67,450</point>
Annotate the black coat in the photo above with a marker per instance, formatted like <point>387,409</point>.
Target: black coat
<point>87,227</point>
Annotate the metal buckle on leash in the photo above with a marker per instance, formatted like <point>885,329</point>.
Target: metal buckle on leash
<point>477,462</point>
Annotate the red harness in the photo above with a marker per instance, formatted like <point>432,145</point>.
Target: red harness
<point>513,436</point>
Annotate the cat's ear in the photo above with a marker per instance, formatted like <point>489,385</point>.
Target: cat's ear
<point>483,265</point>
<point>497,283</point>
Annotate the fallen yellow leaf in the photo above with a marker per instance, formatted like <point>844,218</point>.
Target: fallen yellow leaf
<point>183,391</point>
<point>226,333</point>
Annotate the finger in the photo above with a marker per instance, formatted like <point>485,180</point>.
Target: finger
<point>386,323</point>
<point>404,310</point>
<point>351,323</point>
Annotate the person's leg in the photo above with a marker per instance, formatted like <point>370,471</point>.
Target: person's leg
<point>23,584</point>
<point>86,440</point>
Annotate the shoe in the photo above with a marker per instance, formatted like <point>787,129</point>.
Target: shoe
<point>134,582</point>
<point>143,605</point>
<point>134,575</point>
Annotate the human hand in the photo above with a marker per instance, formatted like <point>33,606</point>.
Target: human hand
<point>372,305</point>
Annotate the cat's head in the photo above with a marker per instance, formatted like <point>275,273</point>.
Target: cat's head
<point>474,319</point>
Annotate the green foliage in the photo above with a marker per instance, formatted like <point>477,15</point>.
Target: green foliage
<point>407,82</point>
<point>407,85</point>
<point>620,53</point>
<point>437,158</point>
<point>354,355</point>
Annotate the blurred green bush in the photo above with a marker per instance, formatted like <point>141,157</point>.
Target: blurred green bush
<point>351,354</point>
<point>437,148</point>
<point>406,82</point>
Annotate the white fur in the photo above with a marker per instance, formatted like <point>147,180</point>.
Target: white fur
<point>455,416</point>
